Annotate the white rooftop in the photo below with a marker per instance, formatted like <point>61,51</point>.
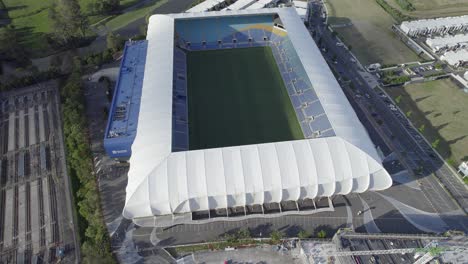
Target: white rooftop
<point>240,4</point>
<point>454,57</point>
<point>205,5</point>
<point>259,4</point>
<point>162,182</point>
<point>435,23</point>
<point>449,41</point>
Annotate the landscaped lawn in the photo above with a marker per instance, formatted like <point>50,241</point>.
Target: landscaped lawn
<point>365,26</point>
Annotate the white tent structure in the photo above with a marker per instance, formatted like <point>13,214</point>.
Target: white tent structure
<point>165,187</point>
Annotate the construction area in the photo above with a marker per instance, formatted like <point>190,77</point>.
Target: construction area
<point>344,248</point>
<point>36,219</point>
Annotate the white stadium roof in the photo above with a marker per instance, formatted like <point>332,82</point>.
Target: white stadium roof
<point>162,182</point>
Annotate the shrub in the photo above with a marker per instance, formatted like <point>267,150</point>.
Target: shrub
<point>276,236</point>
<point>37,77</point>
<point>322,234</point>
<point>303,234</point>
<point>405,5</point>
<point>397,15</point>
<point>96,243</point>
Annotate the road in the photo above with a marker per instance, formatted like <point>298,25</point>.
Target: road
<point>435,177</point>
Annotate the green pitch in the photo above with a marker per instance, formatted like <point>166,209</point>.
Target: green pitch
<point>237,97</point>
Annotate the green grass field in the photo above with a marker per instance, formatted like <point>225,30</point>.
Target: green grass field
<point>31,19</point>
<point>365,26</point>
<point>442,107</point>
<point>237,97</point>
<point>434,8</point>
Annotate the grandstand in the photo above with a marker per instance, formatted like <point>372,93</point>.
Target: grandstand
<point>123,116</point>
<point>241,117</point>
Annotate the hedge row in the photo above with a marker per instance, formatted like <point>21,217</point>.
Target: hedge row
<point>96,246</point>
<point>395,13</point>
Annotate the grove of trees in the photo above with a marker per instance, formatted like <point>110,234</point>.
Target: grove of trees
<point>10,46</point>
<point>96,246</point>
<point>69,24</point>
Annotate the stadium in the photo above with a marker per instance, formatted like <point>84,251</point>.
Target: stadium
<point>232,115</point>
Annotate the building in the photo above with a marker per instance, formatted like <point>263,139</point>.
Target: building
<point>123,115</point>
<point>456,58</point>
<point>301,9</point>
<point>208,5</point>
<point>463,168</point>
<point>435,26</point>
<point>454,42</point>
<point>216,5</point>
<point>171,183</point>
<point>240,4</point>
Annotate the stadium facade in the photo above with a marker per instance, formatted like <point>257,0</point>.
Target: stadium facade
<point>170,184</point>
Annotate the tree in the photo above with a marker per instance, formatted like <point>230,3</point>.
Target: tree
<point>421,128</point>
<point>398,99</point>
<point>68,21</point>
<point>276,236</point>
<point>103,7</point>
<point>350,47</point>
<point>409,113</point>
<point>231,238</point>
<point>114,41</point>
<point>243,234</point>
<point>10,47</point>
<point>303,234</point>
<point>435,143</point>
<point>322,234</point>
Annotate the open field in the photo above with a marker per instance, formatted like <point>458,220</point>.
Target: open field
<point>133,15</point>
<point>365,26</point>
<point>237,97</point>
<point>442,107</point>
<point>434,8</point>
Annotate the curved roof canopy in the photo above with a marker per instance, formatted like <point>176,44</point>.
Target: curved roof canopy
<point>162,182</point>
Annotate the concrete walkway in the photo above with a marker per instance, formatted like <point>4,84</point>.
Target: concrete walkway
<point>369,223</point>
<point>128,253</point>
